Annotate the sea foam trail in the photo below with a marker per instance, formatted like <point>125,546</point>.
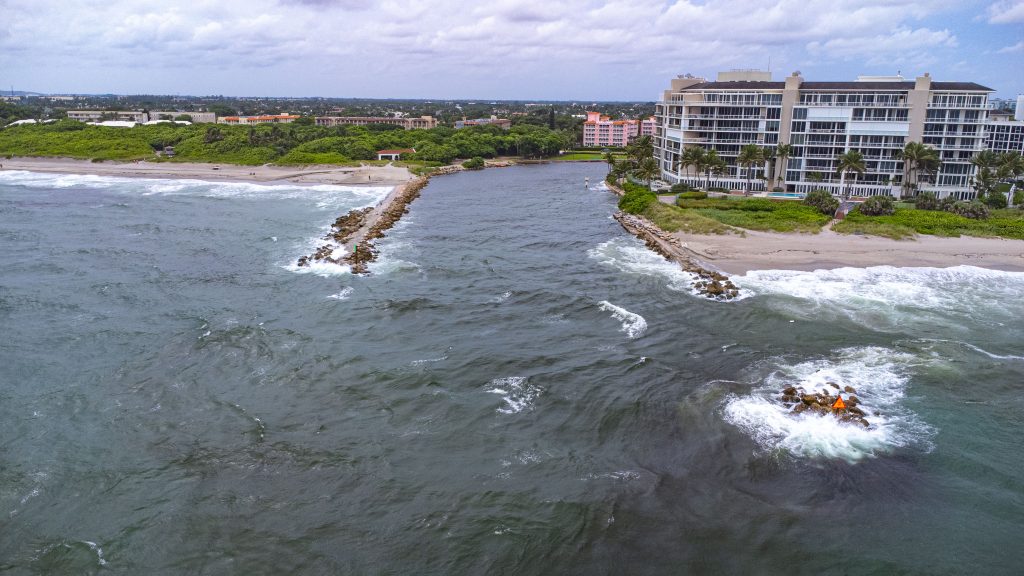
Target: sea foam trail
<point>516,392</point>
<point>633,324</point>
<point>887,297</point>
<point>880,377</point>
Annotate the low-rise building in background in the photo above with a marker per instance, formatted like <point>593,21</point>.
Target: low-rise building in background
<point>423,122</point>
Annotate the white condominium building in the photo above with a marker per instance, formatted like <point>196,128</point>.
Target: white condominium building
<point>876,115</point>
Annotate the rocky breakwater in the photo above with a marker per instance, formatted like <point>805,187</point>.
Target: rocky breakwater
<point>709,283</point>
<point>825,403</point>
<point>343,228</point>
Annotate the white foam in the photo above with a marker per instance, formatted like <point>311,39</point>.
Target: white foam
<point>886,297</point>
<point>634,325</point>
<point>880,377</point>
<point>629,255</point>
<point>517,393</point>
<point>344,294</point>
<point>337,198</point>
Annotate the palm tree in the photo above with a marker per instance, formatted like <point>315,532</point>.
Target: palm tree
<point>714,164</point>
<point>985,181</point>
<point>917,158</point>
<point>1011,166</point>
<point>851,162</point>
<point>648,170</point>
<point>814,177</point>
<point>707,163</point>
<point>782,154</point>
<point>691,157</point>
<point>609,158</point>
<point>986,159</point>
<point>750,156</point>
<point>639,149</point>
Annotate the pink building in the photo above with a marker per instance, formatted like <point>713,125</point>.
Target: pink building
<point>599,130</point>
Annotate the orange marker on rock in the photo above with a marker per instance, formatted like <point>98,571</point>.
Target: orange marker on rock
<point>839,404</point>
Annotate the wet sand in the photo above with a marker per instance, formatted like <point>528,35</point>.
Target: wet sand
<point>735,254</point>
<point>349,175</point>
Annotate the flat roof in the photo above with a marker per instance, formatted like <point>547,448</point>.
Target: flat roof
<point>754,85</point>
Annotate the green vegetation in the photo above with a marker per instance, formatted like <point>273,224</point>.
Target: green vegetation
<point>289,144</point>
<point>877,206</point>
<point>822,201</point>
<point>675,219</point>
<point>692,195</point>
<point>474,163</point>
<point>906,222</point>
<point>759,214</point>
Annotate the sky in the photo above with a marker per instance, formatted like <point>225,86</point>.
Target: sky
<point>582,50</point>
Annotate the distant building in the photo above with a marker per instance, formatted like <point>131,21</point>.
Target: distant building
<point>423,122</point>
<point>1019,111</point>
<point>266,119</point>
<point>195,117</point>
<point>139,116</point>
<point>108,115</point>
<point>599,130</point>
<point>502,123</point>
<point>394,154</point>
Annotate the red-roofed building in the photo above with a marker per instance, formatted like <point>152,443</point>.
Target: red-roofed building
<point>394,154</point>
<point>600,130</point>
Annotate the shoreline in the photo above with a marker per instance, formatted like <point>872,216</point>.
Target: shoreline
<point>737,255</point>
<point>828,250</point>
<point>366,175</point>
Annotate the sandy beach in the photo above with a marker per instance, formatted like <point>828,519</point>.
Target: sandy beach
<point>369,175</point>
<point>736,254</point>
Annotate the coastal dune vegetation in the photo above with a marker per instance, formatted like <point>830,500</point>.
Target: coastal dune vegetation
<point>289,144</point>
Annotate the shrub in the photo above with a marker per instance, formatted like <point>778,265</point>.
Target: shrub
<point>717,189</point>
<point>692,195</point>
<point>926,201</point>
<point>947,204</point>
<point>1018,196</point>
<point>474,163</point>
<point>994,199</point>
<point>636,198</point>
<point>877,206</point>
<point>681,187</point>
<point>973,210</point>
<point>823,201</point>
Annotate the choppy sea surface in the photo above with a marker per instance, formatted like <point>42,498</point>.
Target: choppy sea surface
<point>519,387</point>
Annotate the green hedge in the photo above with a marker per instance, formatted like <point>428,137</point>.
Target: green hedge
<point>636,198</point>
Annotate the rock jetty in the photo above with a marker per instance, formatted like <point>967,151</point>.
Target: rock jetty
<point>801,401</point>
<point>359,228</point>
<point>708,283</point>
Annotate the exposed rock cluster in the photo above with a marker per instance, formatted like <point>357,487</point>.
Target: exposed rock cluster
<point>801,401</point>
<point>347,227</point>
<point>709,282</point>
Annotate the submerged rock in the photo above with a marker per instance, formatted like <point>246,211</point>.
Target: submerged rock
<point>821,403</point>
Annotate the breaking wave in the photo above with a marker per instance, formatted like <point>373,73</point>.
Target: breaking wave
<point>880,377</point>
<point>891,298</point>
<point>325,196</point>
<point>633,324</point>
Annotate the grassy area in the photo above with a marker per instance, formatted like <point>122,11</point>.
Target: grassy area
<point>759,214</point>
<point>583,156</point>
<point>906,222</point>
<point>674,219</point>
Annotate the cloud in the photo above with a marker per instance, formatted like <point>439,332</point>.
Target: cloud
<point>456,45</point>
<point>1006,12</point>
<point>1018,47</point>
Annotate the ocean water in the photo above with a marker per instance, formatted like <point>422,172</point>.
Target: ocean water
<point>519,387</point>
